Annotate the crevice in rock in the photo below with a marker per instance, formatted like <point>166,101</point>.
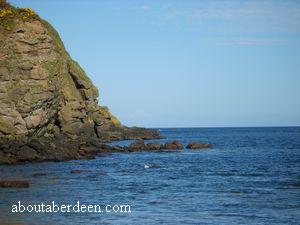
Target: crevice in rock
<point>56,121</point>
<point>79,87</point>
<point>96,131</point>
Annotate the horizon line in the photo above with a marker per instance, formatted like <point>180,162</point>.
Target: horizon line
<point>206,127</point>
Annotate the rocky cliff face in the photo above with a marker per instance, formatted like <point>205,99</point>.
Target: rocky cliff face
<point>43,92</point>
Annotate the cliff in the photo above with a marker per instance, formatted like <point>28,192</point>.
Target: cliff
<point>45,96</point>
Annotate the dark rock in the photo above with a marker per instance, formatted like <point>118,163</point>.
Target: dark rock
<point>81,171</point>
<point>36,144</point>
<point>105,147</point>
<point>153,146</point>
<point>88,172</point>
<point>14,184</point>
<point>137,146</point>
<point>39,175</point>
<point>117,148</point>
<point>198,145</point>
<point>173,145</point>
<point>101,154</point>
<point>86,150</point>
<point>109,148</point>
<point>26,153</point>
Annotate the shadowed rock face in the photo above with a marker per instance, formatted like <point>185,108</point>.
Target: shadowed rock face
<point>43,92</point>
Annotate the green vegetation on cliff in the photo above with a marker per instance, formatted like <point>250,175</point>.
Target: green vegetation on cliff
<point>11,16</point>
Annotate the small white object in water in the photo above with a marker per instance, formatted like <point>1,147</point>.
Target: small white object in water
<point>147,166</point>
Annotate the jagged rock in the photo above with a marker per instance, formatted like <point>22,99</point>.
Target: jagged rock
<point>198,145</point>
<point>45,93</point>
<point>173,145</point>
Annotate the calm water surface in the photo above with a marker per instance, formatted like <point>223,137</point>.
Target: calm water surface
<point>252,176</point>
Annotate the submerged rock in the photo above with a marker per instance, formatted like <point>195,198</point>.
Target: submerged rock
<point>39,175</point>
<point>81,171</point>
<point>88,172</point>
<point>14,184</point>
<point>198,145</point>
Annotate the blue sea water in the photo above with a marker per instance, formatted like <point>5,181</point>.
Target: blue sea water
<point>252,176</point>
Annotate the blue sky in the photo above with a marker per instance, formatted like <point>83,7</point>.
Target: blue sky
<point>186,63</point>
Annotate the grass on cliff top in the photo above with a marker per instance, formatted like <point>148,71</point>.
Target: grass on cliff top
<point>10,16</point>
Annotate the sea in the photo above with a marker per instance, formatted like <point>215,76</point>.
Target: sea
<point>251,176</point>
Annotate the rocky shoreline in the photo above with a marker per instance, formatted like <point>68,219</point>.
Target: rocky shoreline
<point>64,149</point>
<point>90,151</point>
<point>61,148</point>
<point>49,108</point>
<point>154,146</point>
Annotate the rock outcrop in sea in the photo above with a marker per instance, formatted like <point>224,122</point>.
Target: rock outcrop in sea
<point>154,146</point>
<point>49,107</point>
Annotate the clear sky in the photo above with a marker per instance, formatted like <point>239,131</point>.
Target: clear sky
<point>186,63</point>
